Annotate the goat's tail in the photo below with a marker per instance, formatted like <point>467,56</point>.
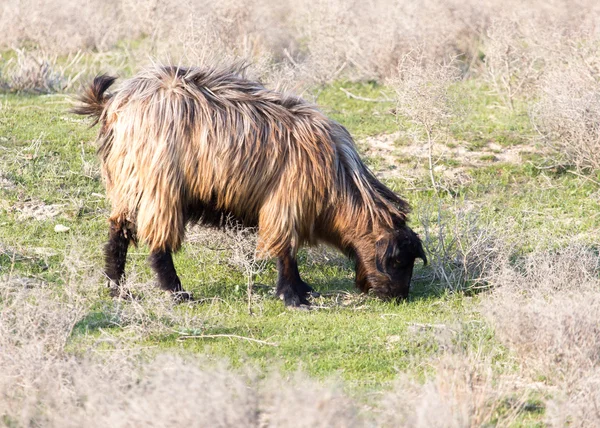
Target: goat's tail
<point>93,99</point>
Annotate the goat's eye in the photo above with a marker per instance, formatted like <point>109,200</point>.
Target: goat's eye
<point>398,264</point>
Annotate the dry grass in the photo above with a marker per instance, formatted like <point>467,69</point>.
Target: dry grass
<point>322,40</point>
<point>45,385</point>
<point>546,308</point>
<point>238,246</point>
<point>567,113</point>
<point>538,51</point>
<point>578,407</point>
<point>556,321</point>
<point>38,72</point>
<point>463,393</point>
<point>243,242</point>
<point>512,63</point>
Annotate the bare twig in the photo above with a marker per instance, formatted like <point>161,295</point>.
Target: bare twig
<point>290,58</point>
<point>371,100</point>
<point>423,98</point>
<point>429,325</point>
<point>230,336</point>
<point>540,167</point>
<point>244,242</point>
<point>430,158</point>
<point>584,177</point>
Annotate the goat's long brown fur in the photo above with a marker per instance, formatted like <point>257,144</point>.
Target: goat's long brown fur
<point>175,140</point>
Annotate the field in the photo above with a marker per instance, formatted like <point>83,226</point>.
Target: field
<point>487,122</point>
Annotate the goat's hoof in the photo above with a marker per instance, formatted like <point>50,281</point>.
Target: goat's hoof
<point>113,288</point>
<point>300,308</point>
<point>119,292</point>
<point>181,296</point>
<point>292,300</point>
<point>308,290</point>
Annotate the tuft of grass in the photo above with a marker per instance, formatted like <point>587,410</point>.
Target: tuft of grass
<point>38,73</point>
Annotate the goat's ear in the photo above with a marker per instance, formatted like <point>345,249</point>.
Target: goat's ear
<point>417,247</point>
<point>421,252</point>
<point>381,251</point>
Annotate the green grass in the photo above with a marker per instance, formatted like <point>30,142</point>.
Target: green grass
<point>48,156</point>
<point>362,118</point>
<point>485,119</point>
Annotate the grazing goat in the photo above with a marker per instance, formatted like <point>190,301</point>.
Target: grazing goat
<point>192,145</point>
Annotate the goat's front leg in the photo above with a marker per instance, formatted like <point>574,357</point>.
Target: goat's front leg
<point>290,287</point>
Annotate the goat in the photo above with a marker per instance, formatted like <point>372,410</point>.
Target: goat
<point>192,145</point>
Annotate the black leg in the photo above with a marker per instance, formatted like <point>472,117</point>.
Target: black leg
<point>162,263</point>
<point>115,253</point>
<point>290,286</point>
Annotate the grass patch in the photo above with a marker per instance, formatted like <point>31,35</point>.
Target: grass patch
<point>362,118</point>
<point>485,120</point>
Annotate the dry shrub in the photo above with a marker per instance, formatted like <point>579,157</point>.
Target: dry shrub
<point>175,391</point>
<point>463,250</point>
<point>243,242</point>
<point>422,89</point>
<point>49,380</point>
<point>43,384</point>
<point>298,401</point>
<point>319,24</point>
<point>320,41</point>
<point>555,325</point>
<point>366,40</point>
<point>442,30</point>
<point>61,27</point>
<point>144,311</point>
<point>35,327</point>
<point>221,32</point>
<point>577,408</point>
<point>569,107</point>
<point>464,392</point>
<point>316,42</point>
<point>512,62</point>
<point>423,99</point>
<point>38,72</point>
<point>168,391</point>
<point>238,247</point>
<point>147,312</point>
<point>546,309</point>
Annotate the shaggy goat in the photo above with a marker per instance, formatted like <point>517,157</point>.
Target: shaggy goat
<point>180,145</point>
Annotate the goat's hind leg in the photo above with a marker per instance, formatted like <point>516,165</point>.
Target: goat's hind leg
<point>162,263</point>
<point>115,255</point>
